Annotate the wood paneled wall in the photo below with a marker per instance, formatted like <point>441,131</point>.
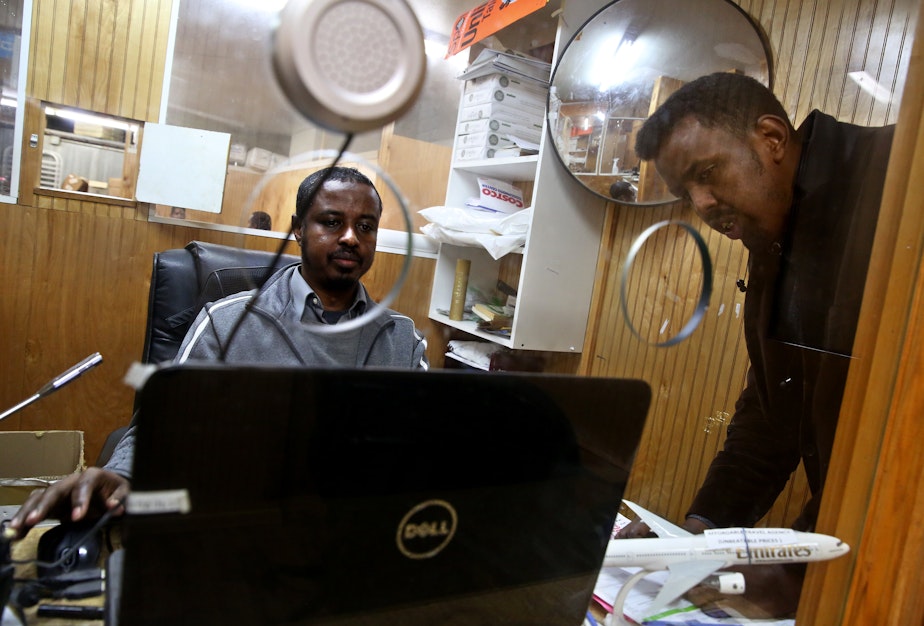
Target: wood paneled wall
<point>873,493</point>
<point>104,55</point>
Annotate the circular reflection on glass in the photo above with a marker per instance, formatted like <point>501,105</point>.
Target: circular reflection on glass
<point>625,61</point>
<point>666,283</point>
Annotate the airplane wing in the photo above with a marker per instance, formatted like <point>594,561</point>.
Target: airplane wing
<point>661,527</point>
<point>681,578</point>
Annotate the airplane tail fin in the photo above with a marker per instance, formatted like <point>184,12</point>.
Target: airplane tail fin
<point>661,527</point>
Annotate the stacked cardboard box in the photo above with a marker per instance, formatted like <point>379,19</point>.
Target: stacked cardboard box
<point>501,115</point>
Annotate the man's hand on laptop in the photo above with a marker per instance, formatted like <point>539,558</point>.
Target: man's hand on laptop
<point>89,493</point>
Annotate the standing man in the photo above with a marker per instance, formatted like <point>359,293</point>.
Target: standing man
<point>293,320</point>
<point>805,204</point>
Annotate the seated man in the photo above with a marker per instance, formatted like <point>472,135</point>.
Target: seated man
<point>336,228</point>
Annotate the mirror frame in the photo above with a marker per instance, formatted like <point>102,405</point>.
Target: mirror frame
<point>662,86</point>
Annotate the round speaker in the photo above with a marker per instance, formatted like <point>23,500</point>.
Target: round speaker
<point>349,65</point>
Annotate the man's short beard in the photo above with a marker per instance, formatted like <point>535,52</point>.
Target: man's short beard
<point>342,283</point>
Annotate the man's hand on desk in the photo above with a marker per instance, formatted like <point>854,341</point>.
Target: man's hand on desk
<point>639,529</point>
<point>91,492</point>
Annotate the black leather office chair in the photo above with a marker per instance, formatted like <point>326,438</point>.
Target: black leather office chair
<point>182,281</point>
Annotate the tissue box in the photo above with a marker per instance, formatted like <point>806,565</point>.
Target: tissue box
<point>499,195</point>
<point>30,459</point>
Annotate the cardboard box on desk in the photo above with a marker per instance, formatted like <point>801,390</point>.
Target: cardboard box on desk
<point>30,459</point>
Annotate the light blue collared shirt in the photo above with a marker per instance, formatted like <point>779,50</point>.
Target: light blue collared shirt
<point>308,307</point>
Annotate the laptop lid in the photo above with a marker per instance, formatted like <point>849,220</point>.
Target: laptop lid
<point>373,496</point>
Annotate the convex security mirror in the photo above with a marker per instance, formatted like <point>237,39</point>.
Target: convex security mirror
<point>625,61</point>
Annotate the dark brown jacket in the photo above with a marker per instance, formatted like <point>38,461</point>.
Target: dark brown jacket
<point>801,309</point>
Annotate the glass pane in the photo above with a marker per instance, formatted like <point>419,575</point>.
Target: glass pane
<point>86,152</point>
<point>14,46</point>
<point>221,79</point>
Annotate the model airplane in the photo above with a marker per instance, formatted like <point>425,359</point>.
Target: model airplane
<point>690,559</point>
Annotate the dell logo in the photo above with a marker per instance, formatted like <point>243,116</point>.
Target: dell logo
<point>426,529</point>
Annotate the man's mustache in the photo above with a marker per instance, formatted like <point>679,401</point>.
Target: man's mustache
<point>346,255</point>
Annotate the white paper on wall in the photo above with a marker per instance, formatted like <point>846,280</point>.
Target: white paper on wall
<point>183,167</point>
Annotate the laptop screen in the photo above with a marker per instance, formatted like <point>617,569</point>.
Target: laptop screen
<point>373,496</point>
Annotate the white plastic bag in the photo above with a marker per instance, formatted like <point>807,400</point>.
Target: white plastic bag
<point>497,233</point>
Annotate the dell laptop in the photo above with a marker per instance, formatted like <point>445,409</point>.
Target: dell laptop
<point>267,495</point>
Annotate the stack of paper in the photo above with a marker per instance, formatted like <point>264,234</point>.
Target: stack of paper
<point>509,62</point>
<point>475,354</point>
<point>680,612</point>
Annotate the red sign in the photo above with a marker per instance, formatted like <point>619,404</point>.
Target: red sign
<point>486,19</point>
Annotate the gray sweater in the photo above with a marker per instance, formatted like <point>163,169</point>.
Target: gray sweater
<point>273,332</point>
